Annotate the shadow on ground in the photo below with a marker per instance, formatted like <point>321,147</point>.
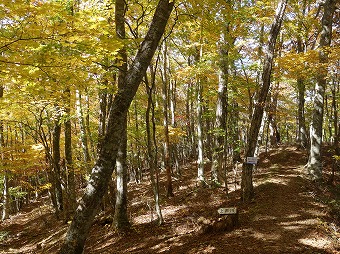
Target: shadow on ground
<point>285,217</point>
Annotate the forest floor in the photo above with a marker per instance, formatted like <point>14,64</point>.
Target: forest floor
<point>289,214</point>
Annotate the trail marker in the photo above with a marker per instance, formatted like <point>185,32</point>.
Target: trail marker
<point>251,160</point>
<point>227,211</point>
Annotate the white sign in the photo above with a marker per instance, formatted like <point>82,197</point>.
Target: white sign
<point>226,211</point>
<point>251,160</point>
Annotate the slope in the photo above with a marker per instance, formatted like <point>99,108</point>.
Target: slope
<point>288,215</point>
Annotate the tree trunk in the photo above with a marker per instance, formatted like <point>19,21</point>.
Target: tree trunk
<point>138,173</point>
<point>70,178</point>
<point>190,144</point>
<point>56,165</point>
<point>302,134</point>
<point>247,190</point>
<point>5,192</point>
<point>91,145</point>
<point>334,89</point>
<point>6,198</point>
<point>274,133</point>
<point>166,143</point>
<point>101,172</point>
<point>220,116</point>
<point>121,220</point>
<point>200,133</point>
<point>200,160</point>
<point>174,146</point>
<point>302,131</point>
<point>314,167</point>
<point>152,153</point>
<point>102,111</point>
<point>83,135</point>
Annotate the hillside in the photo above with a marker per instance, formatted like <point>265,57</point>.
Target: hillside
<point>288,215</point>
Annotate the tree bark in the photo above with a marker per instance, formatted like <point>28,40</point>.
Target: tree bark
<point>121,220</point>
<point>191,141</point>
<point>136,157</point>
<point>200,160</point>
<point>334,90</point>
<point>5,192</point>
<point>174,146</point>
<point>247,190</point>
<point>314,167</point>
<point>274,132</point>
<point>166,143</point>
<point>83,134</point>
<point>71,185</point>
<point>91,146</point>
<point>200,133</point>
<point>152,153</point>
<point>302,135</point>
<point>6,198</point>
<point>102,111</point>
<point>101,172</point>
<point>217,175</point>
<point>302,131</point>
<point>56,164</point>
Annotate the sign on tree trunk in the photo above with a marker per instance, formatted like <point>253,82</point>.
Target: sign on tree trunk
<point>251,160</point>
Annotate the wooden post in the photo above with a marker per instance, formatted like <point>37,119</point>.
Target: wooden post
<point>227,220</point>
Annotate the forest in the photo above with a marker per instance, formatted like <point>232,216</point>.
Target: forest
<point>216,120</point>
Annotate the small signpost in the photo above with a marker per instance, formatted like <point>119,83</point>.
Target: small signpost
<point>227,220</point>
<point>227,211</point>
<point>251,160</point>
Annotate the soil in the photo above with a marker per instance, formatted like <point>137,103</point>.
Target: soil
<point>289,214</point>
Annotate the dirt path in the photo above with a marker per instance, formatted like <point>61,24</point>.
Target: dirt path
<point>285,217</point>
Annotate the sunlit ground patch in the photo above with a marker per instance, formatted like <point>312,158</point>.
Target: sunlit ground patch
<point>264,217</point>
<point>167,245</point>
<point>167,212</point>
<point>301,222</point>
<point>316,242</point>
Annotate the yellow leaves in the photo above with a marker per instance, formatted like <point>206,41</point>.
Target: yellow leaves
<point>22,159</point>
<point>308,65</point>
<point>299,64</point>
<point>336,157</point>
<point>43,187</point>
<point>175,134</point>
<point>47,42</point>
<point>29,187</point>
<point>333,58</point>
<point>263,11</point>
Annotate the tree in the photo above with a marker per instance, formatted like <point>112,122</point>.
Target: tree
<point>225,44</point>
<point>302,135</point>
<point>166,143</point>
<point>6,201</point>
<point>151,143</point>
<point>56,163</point>
<point>121,219</point>
<point>247,191</point>
<point>71,200</point>
<point>200,133</point>
<point>83,133</point>
<point>314,167</point>
<point>102,170</point>
<point>220,122</point>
